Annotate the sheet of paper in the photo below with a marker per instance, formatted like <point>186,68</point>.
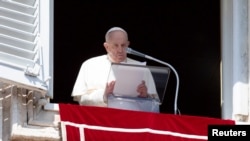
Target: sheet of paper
<point>127,79</point>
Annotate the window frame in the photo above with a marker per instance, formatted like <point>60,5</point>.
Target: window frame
<point>39,78</point>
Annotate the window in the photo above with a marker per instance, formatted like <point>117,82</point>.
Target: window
<point>26,43</point>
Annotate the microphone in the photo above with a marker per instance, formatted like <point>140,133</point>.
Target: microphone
<point>131,51</point>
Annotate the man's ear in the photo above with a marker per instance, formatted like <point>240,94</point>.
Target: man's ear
<point>105,44</point>
<point>128,43</point>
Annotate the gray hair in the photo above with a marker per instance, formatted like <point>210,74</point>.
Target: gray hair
<point>107,35</point>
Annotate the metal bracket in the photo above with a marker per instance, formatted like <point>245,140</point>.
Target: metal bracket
<point>32,71</point>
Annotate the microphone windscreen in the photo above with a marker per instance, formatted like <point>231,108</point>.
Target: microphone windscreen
<point>129,50</point>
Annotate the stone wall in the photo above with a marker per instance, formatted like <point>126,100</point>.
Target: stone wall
<point>27,115</point>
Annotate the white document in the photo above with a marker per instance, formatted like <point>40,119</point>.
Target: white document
<point>127,79</point>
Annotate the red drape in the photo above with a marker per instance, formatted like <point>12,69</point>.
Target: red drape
<point>86,123</point>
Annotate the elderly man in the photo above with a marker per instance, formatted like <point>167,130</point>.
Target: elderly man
<point>91,86</point>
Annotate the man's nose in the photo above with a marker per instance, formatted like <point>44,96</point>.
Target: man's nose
<point>120,48</point>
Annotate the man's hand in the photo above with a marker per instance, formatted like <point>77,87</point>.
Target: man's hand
<point>110,87</point>
<point>108,90</point>
<point>142,90</point>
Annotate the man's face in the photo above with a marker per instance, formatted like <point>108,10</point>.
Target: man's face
<point>116,46</point>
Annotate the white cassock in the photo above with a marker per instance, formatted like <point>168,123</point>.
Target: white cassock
<point>91,82</point>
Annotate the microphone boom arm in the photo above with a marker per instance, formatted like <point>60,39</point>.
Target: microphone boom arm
<point>131,51</point>
<point>177,79</point>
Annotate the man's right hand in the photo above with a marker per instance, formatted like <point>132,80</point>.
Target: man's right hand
<point>110,87</point>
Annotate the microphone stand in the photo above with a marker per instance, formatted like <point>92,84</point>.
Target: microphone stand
<point>177,79</point>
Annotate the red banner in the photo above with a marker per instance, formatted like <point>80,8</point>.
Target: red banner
<point>86,123</point>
